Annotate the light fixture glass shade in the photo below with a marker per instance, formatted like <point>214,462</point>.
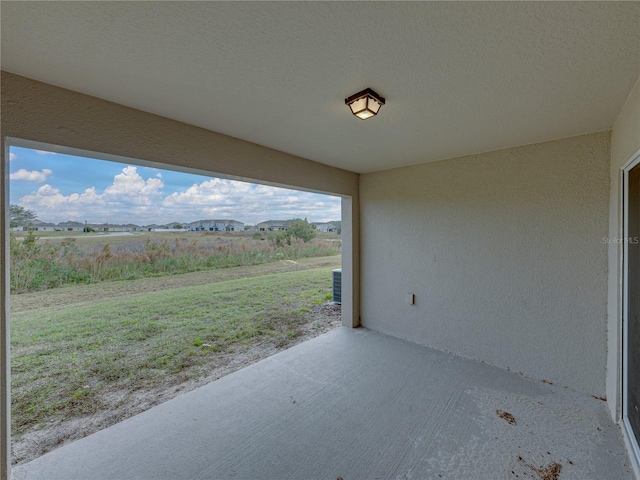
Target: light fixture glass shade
<point>373,105</point>
<point>358,105</point>
<point>365,104</point>
<point>364,114</point>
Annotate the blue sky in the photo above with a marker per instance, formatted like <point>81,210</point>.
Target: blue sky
<point>60,187</point>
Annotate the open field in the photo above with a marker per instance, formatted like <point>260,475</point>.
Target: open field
<point>115,238</point>
<point>77,295</point>
<point>85,357</point>
<point>52,260</point>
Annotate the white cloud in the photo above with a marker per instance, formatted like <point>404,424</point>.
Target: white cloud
<point>133,199</point>
<point>129,197</point>
<point>250,203</point>
<point>44,152</point>
<point>209,192</point>
<point>12,156</point>
<point>50,198</point>
<point>131,186</point>
<point>33,176</point>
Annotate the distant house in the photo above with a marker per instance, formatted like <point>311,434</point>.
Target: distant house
<point>44,227</point>
<point>29,226</point>
<point>154,228</point>
<point>216,226</point>
<point>325,226</point>
<point>178,225</point>
<point>107,227</point>
<point>38,226</point>
<point>71,226</point>
<point>272,225</point>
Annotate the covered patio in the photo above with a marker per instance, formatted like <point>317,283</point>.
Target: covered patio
<point>358,405</point>
<point>486,213</point>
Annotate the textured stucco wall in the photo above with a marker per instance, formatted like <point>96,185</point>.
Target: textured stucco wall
<point>504,252</point>
<point>625,142</point>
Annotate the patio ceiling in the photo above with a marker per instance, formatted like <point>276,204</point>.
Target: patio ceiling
<point>459,78</point>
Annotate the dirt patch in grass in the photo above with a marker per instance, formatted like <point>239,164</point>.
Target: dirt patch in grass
<point>112,379</point>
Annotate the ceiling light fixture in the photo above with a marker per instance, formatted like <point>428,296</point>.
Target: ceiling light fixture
<point>365,104</point>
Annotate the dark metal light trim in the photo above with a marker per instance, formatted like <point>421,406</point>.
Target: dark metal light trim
<point>367,109</point>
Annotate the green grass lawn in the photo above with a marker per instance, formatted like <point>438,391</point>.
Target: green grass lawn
<point>64,361</point>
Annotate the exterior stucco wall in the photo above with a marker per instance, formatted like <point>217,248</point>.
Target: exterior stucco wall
<point>625,142</point>
<point>37,112</point>
<point>504,252</point>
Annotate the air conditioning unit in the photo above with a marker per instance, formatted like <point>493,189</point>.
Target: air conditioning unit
<point>337,285</point>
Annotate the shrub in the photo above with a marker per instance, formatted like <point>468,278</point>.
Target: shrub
<point>280,238</point>
<point>301,229</point>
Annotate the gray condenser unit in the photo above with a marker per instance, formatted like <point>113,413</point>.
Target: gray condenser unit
<point>337,285</point>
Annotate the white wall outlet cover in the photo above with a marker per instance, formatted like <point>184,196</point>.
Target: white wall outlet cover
<point>411,298</point>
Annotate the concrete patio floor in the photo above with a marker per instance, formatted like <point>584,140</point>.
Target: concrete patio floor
<point>359,405</point>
